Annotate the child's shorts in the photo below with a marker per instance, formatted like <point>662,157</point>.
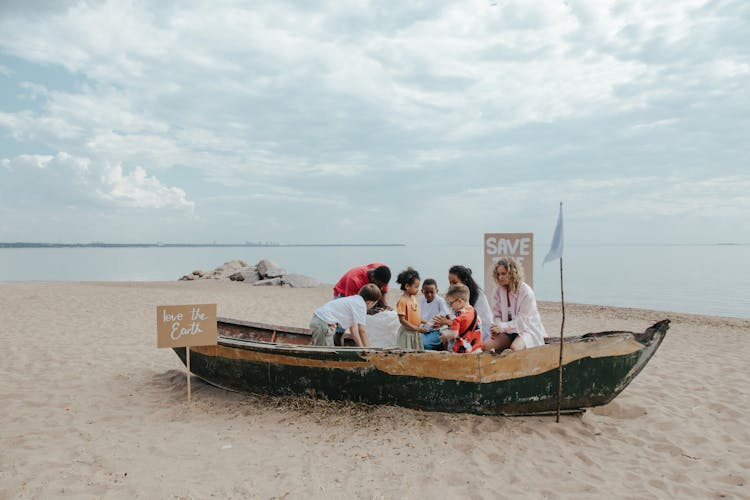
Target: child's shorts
<point>432,342</point>
<point>322,332</point>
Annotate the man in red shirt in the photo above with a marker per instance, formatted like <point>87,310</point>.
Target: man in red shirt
<point>357,277</point>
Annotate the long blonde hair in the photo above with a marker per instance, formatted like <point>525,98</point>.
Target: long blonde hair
<point>515,275</point>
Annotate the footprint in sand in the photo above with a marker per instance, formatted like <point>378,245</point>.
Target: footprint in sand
<point>616,410</point>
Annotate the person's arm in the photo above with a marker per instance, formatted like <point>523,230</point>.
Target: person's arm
<point>497,305</point>
<point>359,318</point>
<point>451,334</point>
<point>508,326</point>
<point>530,325</point>
<point>359,334</point>
<point>484,313</point>
<point>363,335</point>
<point>445,317</point>
<point>447,335</point>
<point>497,312</point>
<point>409,326</point>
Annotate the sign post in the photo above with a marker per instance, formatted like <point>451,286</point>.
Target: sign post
<point>184,326</point>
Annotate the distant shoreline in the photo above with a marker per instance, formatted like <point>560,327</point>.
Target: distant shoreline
<point>191,245</point>
<point>22,244</point>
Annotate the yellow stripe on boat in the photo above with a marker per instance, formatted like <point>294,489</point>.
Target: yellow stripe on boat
<point>493,368</point>
<point>447,365</point>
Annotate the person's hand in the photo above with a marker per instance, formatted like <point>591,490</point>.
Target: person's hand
<point>379,307</point>
<point>422,329</point>
<point>439,321</point>
<point>449,335</point>
<point>496,330</point>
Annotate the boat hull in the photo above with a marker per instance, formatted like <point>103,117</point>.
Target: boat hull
<point>595,370</point>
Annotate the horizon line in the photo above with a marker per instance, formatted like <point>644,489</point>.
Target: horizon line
<point>273,244</point>
<point>23,244</point>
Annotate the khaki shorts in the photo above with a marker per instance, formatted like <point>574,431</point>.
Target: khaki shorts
<point>322,332</point>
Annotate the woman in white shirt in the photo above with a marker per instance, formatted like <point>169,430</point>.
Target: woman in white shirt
<point>516,320</point>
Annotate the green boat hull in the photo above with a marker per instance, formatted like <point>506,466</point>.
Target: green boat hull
<point>596,368</point>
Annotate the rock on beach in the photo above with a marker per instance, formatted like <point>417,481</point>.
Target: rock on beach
<point>264,273</point>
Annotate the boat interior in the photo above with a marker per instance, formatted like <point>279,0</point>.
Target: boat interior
<point>262,332</point>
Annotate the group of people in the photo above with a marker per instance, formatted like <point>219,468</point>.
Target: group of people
<point>463,321</point>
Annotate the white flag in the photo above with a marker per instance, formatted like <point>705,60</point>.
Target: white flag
<point>556,249</point>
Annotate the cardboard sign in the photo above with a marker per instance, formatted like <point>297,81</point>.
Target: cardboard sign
<point>186,325</point>
<point>520,246</point>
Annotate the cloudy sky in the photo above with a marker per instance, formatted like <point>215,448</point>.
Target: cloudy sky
<point>380,121</point>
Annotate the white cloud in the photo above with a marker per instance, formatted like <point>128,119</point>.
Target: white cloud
<point>138,190</point>
<point>75,180</point>
<point>26,126</point>
<point>729,68</point>
<point>389,75</point>
<point>334,105</point>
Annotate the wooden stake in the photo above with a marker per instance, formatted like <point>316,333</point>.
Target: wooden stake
<point>187,364</point>
<point>562,325</point>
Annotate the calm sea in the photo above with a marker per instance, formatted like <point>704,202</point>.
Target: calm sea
<point>703,279</point>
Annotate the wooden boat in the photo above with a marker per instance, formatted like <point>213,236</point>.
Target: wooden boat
<point>254,357</point>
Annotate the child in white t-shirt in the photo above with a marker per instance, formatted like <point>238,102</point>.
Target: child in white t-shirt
<point>431,304</point>
<point>348,312</point>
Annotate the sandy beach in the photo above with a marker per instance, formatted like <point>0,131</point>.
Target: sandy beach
<point>92,409</point>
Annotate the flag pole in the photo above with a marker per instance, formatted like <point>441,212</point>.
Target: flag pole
<point>560,361</point>
<point>556,252</point>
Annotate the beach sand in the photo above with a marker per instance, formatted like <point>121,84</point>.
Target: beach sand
<point>90,408</point>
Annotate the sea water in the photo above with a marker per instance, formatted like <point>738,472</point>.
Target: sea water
<point>702,279</point>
